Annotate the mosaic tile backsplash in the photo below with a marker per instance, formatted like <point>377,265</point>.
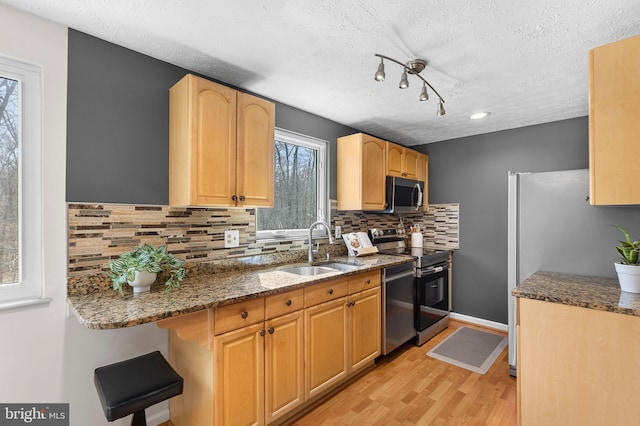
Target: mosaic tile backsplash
<point>100,232</point>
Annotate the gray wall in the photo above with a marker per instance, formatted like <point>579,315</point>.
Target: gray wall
<point>117,151</point>
<point>473,171</point>
<point>118,129</point>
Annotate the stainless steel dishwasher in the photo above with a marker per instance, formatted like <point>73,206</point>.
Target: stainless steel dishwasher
<point>398,313</point>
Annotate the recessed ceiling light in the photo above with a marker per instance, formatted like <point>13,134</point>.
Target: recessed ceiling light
<point>479,115</point>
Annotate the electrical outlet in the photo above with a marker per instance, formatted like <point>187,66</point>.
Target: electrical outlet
<point>231,238</point>
<point>338,231</point>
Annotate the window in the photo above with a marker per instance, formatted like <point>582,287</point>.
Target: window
<point>21,280</point>
<point>300,188</point>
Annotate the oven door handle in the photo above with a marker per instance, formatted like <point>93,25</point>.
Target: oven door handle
<point>398,276</point>
<point>420,273</point>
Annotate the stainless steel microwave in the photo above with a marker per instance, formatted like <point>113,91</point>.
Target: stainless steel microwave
<point>403,195</point>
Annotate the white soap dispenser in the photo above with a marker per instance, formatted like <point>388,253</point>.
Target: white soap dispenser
<point>416,236</point>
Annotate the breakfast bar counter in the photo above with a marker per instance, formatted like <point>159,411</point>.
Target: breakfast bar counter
<point>97,306</point>
<point>597,293</point>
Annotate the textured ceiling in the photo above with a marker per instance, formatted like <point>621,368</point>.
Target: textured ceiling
<point>525,62</point>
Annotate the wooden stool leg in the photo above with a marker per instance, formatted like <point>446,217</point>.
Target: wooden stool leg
<point>139,419</point>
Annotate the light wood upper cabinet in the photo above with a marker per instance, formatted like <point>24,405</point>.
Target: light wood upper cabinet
<point>614,127</point>
<point>395,159</point>
<point>221,146</point>
<point>411,164</point>
<point>361,173</point>
<point>401,162</point>
<point>255,151</point>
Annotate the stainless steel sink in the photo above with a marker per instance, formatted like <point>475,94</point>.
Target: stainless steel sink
<point>342,267</point>
<point>310,270</point>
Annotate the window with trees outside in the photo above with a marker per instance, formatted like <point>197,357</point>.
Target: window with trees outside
<point>300,188</point>
<point>21,136</point>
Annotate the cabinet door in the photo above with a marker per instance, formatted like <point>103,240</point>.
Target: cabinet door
<point>395,159</point>
<point>364,328</point>
<point>239,377</point>
<point>326,345</point>
<point>255,174</point>
<point>614,107</point>
<point>411,168</point>
<point>373,177</point>
<point>212,153</point>
<point>284,364</point>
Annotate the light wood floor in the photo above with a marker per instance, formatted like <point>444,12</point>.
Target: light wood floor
<point>410,388</point>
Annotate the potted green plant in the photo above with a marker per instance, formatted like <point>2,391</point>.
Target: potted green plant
<point>628,269</point>
<point>140,267</point>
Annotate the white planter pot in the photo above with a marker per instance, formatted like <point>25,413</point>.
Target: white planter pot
<point>628,277</point>
<point>142,282</point>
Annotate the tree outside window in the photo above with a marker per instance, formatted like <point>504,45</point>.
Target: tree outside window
<point>299,185</point>
<point>9,189</point>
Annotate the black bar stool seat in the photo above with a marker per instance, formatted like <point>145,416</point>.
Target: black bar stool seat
<point>131,386</point>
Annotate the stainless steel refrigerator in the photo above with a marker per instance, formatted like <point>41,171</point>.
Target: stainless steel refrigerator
<point>552,227</point>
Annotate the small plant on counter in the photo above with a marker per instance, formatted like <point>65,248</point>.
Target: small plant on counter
<point>146,257</point>
<point>628,250</point>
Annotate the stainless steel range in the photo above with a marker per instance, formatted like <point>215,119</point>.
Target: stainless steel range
<point>425,306</point>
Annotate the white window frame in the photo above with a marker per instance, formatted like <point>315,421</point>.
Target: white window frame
<point>30,286</point>
<point>322,146</point>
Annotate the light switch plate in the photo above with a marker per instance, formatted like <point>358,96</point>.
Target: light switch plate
<point>338,231</point>
<point>231,238</point>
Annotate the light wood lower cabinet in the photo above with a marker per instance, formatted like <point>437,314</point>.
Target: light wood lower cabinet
<point>576,366</point>
<point>259,371</point>
<point>364,339</point>
<point>258,361</point>
<point>326,345</point>
<point>284,365</point>
<point>342,336</point>
<point>239,376</point>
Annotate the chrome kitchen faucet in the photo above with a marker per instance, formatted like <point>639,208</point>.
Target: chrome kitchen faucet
<point>313,225</point>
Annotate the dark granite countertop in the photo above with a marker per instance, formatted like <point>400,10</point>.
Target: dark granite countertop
<point>603,294</point>
<point>106,309</point>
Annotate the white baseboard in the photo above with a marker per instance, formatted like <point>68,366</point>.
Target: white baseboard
<point>158,417</point>
<point>479,321</point>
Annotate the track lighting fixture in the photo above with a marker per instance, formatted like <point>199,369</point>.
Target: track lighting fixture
<point>412,67</point>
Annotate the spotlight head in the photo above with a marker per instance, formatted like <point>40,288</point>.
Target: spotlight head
<point>404,81</point>
<point>380,73</point>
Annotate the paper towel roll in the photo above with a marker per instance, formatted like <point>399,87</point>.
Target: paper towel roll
<point>416,239</point>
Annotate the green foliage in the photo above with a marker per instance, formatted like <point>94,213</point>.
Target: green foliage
<point>628,250</point>
<point>146,257</point>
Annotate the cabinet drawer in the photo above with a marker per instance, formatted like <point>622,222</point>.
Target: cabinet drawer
<point>320,293</point>
<point>364,281</point>
<point>284,303</point>
<point>232,317</point>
